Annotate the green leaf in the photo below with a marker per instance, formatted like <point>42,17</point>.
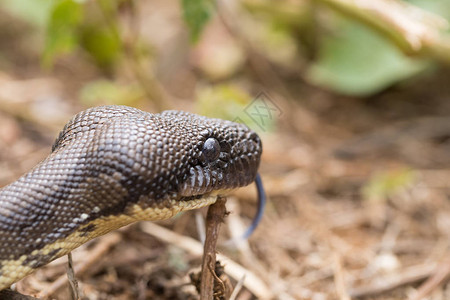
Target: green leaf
<point>35,12</point>
<point>100,33</point>
<point>358,61</point>
<point>440,7</point>
<point>196,14</point>
<point>62,28</point>
<point>387,183</point>
<point>102,43</point>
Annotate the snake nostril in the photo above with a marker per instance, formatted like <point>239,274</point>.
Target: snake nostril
<point>254,137</point>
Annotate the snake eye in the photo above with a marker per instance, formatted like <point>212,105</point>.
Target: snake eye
<point>211,149</point>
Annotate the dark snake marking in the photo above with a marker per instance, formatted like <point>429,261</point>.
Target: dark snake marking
<point>108,158</point>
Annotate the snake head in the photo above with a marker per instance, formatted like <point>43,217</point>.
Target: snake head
<point>222,154</point>
<point>152,158</point>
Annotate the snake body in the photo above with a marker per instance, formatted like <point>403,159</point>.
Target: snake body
<point>114,165</point>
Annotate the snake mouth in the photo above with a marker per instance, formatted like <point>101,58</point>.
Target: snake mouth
<point>198,201</point>
<point>199,182</point>
<point>203,181</point>
<point>207,195</point>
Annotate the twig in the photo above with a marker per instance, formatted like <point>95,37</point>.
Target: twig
<point>237,288</point>
<point>440,275</point>
<point>200,222</point>
<point>339,278</point>
<point>71,277</point>
<point>409,275</point>
<point>100,249</point>
<point>252,282</point>
<point>214,218</point>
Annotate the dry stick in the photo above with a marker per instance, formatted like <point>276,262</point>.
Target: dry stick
<point>440,275</point>
<point>407,276</point>
<point>339,281</point>
<point>71,277</point>
<point>99,250</point>
<point>215,217</point>
<point>252,282</point>
<point>237,288</point>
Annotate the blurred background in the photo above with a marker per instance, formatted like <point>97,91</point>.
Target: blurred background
<point>350,97</point>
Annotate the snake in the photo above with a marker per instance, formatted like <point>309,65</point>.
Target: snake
<point>115,165</point>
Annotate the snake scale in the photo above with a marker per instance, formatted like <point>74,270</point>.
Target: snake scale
<point>115,165</point>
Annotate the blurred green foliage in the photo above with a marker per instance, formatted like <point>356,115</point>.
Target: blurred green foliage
<point>355,60</point>
<point>223,101</point>
<point>440,7</point>
<point>71,25</point>
<point>103,45</point>
<point>330,50</point>
<point>229,102</point>
<point>99,33</point>
<point>105,92</point>
<point>196,14</point>
<point>387,183</point>
<point>338,52</point>
<point>62,29</point>
<point>36,12</point>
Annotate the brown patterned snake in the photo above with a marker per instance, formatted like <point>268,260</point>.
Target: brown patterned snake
<point>114,165</point>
